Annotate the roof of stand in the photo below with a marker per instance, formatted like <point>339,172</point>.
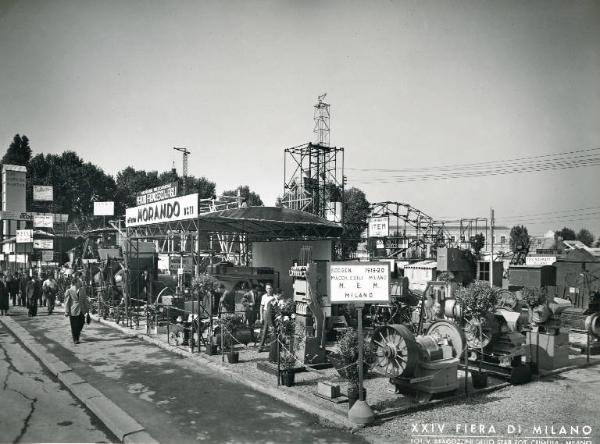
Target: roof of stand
<point>269,222</point>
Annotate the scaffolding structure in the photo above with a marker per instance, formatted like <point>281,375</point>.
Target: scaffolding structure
<point>313,180</point>
<point>322,118</point>
<point>414,234</point>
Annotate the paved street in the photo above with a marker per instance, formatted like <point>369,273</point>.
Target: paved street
<point>174,399</point>
<point>35,407</point>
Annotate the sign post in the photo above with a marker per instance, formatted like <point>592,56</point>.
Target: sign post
<point>359,283</point>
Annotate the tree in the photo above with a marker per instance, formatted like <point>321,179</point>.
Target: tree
<point>19,151</point>
<point>477,243</point>
<point>130,181</point>
<point>519,238</point>
<point>356,209</point>
<point>586,237</point>
<point>77,184</point>
<point>250,197</point>
<point>565,234</point>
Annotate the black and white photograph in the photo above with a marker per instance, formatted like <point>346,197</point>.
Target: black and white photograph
<point>300,221</point>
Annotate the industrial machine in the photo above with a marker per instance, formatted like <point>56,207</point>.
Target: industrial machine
<point>313,309</point>
<point>419,366</point>
<point>496,344</point>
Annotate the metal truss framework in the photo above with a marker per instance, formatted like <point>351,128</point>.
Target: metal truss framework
<point>414,233</point>
<point>313,178</point>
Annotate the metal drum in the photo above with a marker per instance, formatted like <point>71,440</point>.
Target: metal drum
<point>592,324</point>
<point>452,309</point>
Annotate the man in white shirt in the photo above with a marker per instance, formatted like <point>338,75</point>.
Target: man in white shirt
<point>265,300</point>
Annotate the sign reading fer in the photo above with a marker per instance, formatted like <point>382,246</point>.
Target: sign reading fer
<point>359,282</point>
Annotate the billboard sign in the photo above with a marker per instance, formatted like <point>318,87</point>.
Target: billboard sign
<point>537,261</point>
<point>156,194</point>
<point>359,282</point>
<point>43,193</point>
<point>43,244</point>
<point>104,208</point>
<point>170,210</point>
<point>43,221</point>
<point>24,236</point>
<point>379,226</point>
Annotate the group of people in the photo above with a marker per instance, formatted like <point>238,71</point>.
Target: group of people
<point>30,291</point>
<point>27,291</point>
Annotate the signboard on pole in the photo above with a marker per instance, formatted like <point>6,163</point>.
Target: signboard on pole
<point>104,208</point>
<point>170,210</point>
<point>28,216</point>
<point>359,282</point>
<point>24,236</point>
<point>379,226</point>
<point>156,194</point>
<point>43,244</point>
<point>43,193</point>
<point>43,221</point>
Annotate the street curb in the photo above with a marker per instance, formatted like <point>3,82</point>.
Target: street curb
<point>299,401</point>
<point>112,416</point>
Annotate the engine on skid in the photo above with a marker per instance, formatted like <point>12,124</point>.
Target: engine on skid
<point>419,365</point>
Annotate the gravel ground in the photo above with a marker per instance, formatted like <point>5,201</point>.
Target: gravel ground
<point>571,398</point>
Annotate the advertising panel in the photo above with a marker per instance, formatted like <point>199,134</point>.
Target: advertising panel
<point>379,226</point>
<point>179,208</point>
<point>43,221</point>
<point>363,282</point>
<point>43,193</point>
<point>104,208</point>
<point>47,256</point>
<point>534,261</point>
<point>24,236</point>
<point>43,244</point>
<point>156,194</point>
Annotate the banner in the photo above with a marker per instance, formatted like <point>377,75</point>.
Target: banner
<point>179,208</point>
<point>43,244</point>
<point>379,226</point>
<point>24,236</point>
<point>104,208</point>
<point>156,194</point>
<point>363,282</point>
<point>28,216</point>
<point>43,193</point>
<point>43,221</point>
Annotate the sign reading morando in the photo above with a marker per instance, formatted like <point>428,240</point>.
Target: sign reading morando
<point>364,282</point>
<point>170,210</point>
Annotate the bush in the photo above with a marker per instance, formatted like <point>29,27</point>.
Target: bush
<point>477,300</point>
<point>534,296</point>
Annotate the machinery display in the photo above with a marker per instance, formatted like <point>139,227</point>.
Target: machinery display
<point>419,365</point>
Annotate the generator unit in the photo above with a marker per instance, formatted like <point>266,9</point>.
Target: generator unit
<point>419,366</point>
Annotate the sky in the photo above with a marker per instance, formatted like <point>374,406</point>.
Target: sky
<point>411,84</point>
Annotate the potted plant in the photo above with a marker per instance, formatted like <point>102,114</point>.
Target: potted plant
<point>290,340</point>
<point>345,362</point>
<point>229,324</point>
<point>288,363</point>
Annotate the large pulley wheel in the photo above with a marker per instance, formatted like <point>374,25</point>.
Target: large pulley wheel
<point>592,324</point>
<point>479,332</point>
<point>396,351</point>
<point>448,333</point>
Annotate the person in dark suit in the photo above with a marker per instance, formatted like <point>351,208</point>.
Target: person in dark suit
<point>23,289</point>
<point>3,296</point>
<point>33,292</point>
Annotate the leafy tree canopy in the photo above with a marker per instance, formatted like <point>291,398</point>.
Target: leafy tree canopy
<point>356,212</point>
<point>250,197</point>
<point>18,152</point>
<point>584,235</point>
<point>477,243</point>
<point>519,238</point>
<point>565,234</point>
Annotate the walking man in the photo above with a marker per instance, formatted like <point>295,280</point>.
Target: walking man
<point>76,307</point>
<point>49,290</point>
<point>23,288</point>
<point>33,294</point>
<point>12,284</point>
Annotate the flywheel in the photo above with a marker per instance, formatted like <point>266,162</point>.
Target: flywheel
<point>446,332</point>
<point>480,338</point>
<point>396,351</point>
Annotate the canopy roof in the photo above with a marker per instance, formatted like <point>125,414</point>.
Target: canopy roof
<point>258,223</point>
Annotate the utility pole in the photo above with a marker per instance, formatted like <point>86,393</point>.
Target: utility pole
<point>492,248</point>
<point>185,153</point>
